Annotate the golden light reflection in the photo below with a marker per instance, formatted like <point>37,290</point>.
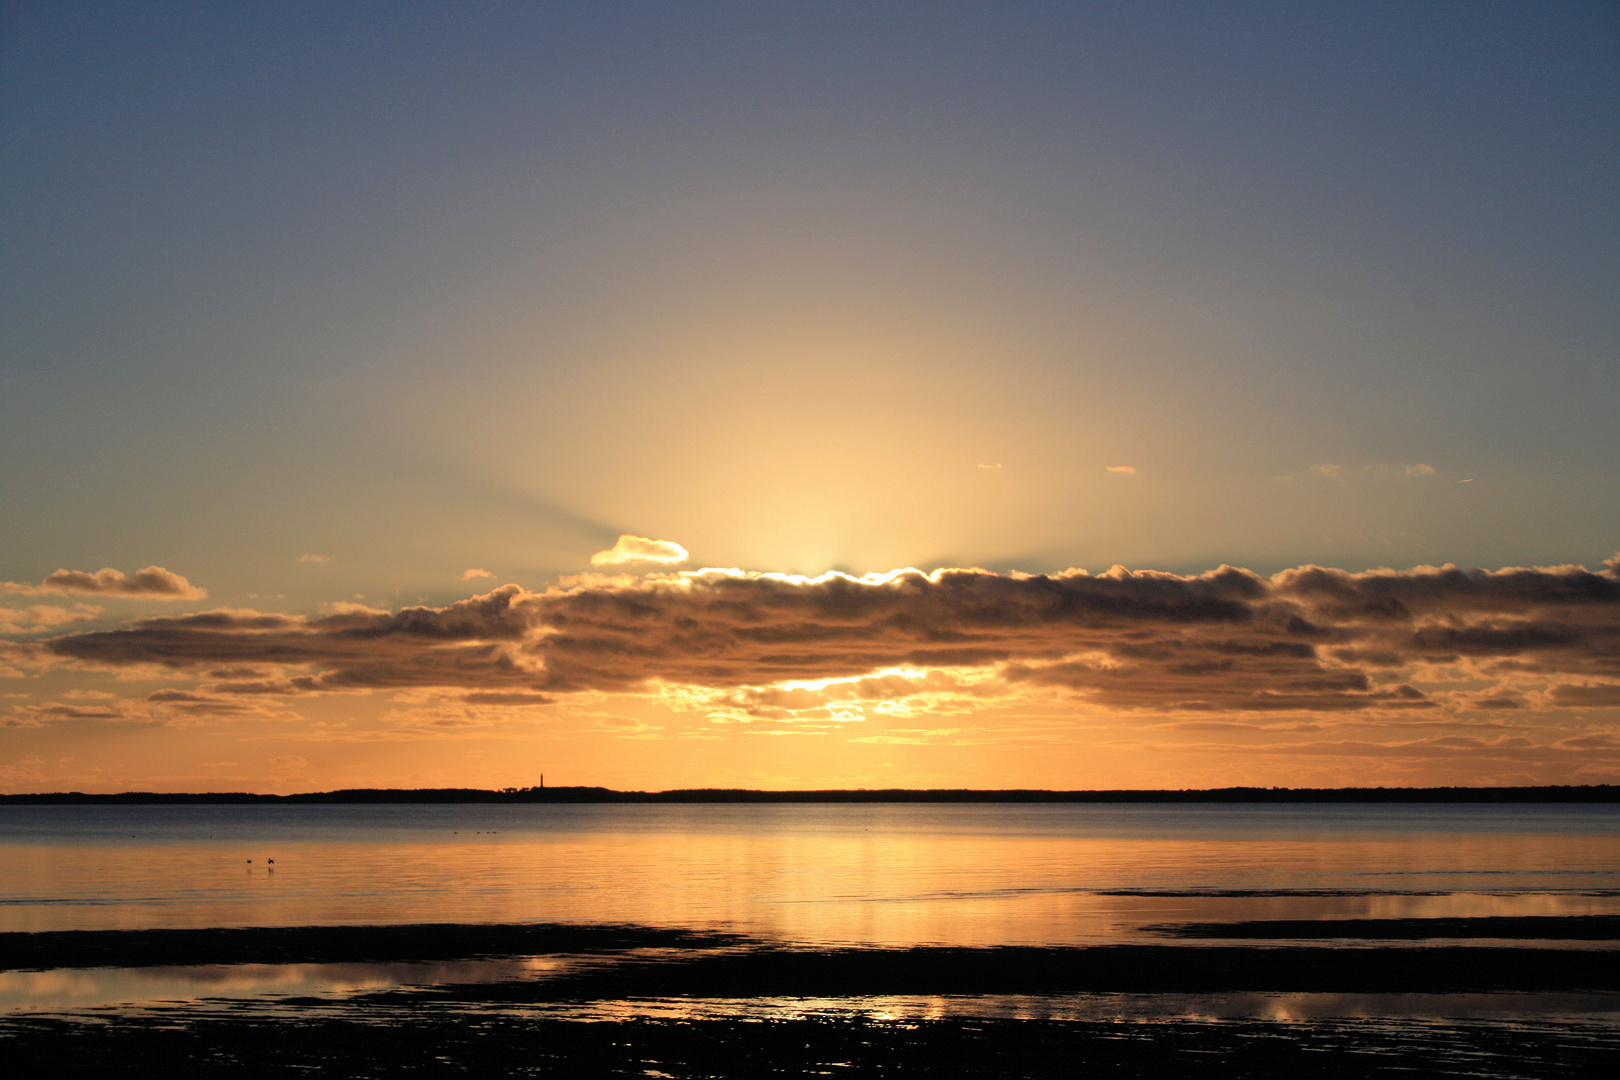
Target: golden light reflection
<point>970,875</point>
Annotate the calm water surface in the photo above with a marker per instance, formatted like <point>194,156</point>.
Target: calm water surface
<point>889,874</point>
<point>844,874</point>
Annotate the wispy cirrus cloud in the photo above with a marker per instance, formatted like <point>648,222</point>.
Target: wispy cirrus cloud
<point>168,707</point>
<point>152,583</point>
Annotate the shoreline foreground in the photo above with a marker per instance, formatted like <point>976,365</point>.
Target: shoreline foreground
<point>1453,988</point>
<point>441,1042</point>
<point>657,1001</point>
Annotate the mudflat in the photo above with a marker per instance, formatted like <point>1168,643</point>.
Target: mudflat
<point>654,961</point>
<point>518,1027</point>
<point>431,1043</point>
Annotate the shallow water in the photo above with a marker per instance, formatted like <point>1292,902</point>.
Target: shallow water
<point>1599,1008</point>
<point>339,988</point>
<point>850,874</point>
<point>72,989</point>
<point>861,873</point>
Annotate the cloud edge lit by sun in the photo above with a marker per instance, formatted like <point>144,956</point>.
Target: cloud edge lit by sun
<point>640,549</point>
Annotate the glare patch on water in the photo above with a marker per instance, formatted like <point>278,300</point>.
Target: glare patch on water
<point>63,989</point>
<point>340,989</point>
<point>1276,1007</point>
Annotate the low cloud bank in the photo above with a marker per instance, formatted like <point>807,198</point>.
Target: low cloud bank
<point>1309,639</point>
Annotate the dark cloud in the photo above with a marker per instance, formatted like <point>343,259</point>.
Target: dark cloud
<point>161,707</point>
<point>1495,702</point>
<point>165,696</point>
<point>153,583</point>
<point>1508,748</point>
<point>1307,640</point>
<point>191,704</point>
<point>1603,695</point>
<point>1590,742</point>
<point>511,698</point>
<point>56,710</point>
<point>1447,591</point>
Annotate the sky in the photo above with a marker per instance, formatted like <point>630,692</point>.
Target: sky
<point>801,395</point>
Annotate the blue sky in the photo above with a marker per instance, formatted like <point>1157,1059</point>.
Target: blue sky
<point>322,303</point>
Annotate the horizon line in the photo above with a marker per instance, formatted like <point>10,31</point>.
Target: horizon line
<point>597,793</point>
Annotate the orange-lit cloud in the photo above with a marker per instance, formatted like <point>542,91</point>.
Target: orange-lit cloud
<point>153,583</point>
<point>40,617</point>
<point>1122,470</point>
<point>1308,641</point>
<point>474,574</point>
<point>1601,695</point>
<point>639,549</point>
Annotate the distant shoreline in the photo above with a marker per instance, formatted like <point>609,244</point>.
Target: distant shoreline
<point>1592,793</point>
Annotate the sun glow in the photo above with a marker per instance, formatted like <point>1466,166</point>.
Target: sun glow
<point>821,685</point>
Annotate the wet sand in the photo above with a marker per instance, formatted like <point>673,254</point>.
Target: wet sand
<point>725,965</point>
<point>504,1029</point>
<point>1502,927</point>
<point>331,944</point>
<point>429,1044</point>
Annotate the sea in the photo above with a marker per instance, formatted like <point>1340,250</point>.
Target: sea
<point>847,875</point>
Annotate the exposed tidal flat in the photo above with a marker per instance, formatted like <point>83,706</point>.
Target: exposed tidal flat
<point>786,939</point>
